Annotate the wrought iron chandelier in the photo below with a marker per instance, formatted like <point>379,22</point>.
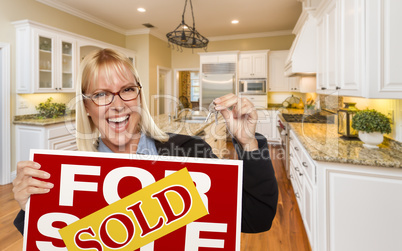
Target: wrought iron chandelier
<point>185,35</point>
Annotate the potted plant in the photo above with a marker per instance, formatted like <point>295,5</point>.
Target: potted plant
<point>371,125</point>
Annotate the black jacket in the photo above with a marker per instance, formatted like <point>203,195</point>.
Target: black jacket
<point>260,189</point>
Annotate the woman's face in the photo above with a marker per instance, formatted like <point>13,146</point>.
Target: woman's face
<point>118,121</point>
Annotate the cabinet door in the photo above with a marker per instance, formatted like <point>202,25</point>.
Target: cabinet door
<point>44,61</point>
<point>245,66</point>
<point>277,79</point>
<point>350,40</point>
<point>321,52</point>
<point>294,83</point>
<point>27,138</point>
<point>67,66</point>
<point>384,51</point>
<point>260,66</point>
<point>309,214</point>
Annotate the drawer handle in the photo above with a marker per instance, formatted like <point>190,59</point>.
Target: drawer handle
<point>297,169</point>
<point>73,143</point>
<point>290,138</point>
<point>304,164</point>
<point>291,155</point>
<point>291,176</point>
<point>296,148</point>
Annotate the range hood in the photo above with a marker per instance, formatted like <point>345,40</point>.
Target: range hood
<point>303,55</point>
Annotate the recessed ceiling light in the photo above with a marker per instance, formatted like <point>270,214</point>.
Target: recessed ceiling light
<point>235,21</point>
<point>141,9</point>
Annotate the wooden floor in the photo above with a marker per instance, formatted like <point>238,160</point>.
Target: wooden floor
<point>287,232</point>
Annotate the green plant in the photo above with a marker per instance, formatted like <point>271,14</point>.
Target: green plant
<point>371,121</point>
<point>51,110</point>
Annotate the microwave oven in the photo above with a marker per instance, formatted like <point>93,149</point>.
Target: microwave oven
<point>253,86</point>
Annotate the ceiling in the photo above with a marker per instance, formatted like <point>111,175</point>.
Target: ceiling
<point>212,17</point>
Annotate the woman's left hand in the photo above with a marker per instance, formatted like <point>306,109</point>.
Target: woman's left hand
<point>241,120</point>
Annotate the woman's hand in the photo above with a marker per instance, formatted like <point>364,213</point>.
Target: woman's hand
<point>241,120</point>
<point>26,182</point>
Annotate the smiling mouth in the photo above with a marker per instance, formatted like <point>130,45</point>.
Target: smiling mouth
<point>117,122</point>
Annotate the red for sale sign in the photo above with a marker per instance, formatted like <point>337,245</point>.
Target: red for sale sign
<point>88,182</point>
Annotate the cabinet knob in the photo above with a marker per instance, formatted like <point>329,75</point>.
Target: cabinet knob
<point>323,88</point>
<point>296,148</point>
<point>338,88</point>
<point>297,195</point>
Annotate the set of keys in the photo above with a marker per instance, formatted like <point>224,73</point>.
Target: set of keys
<point>212,111</point>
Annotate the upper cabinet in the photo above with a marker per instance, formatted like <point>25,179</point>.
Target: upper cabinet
<point>218,57</point>
<point>278,82</point>
<point>47,59</point>
<point>358,43</point>
<point>253,64</point>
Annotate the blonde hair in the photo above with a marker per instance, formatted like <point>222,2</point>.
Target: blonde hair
<point>107,60</point>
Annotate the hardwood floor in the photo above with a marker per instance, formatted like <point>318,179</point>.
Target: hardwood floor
<point>287,232</point>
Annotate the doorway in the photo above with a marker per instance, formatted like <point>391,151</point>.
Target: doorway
<point>187,87</point>
<point>165,97</point>
<point>5,163</point>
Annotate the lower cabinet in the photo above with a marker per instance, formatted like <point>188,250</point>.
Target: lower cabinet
<point>346,207</point>
<point>266,124</point>
<point>52,137</point>
<point>302,176</point>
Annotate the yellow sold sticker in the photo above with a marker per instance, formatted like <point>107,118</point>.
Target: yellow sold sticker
<point>139,218</point>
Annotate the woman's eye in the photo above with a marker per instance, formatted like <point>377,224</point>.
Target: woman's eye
<point>99,95</point>
<point>129,89</point>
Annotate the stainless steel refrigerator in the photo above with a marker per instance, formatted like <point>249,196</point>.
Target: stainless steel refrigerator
<point>217,80</point>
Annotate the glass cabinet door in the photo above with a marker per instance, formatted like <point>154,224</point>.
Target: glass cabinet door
<point>46,71</point>
<point>67,67</point>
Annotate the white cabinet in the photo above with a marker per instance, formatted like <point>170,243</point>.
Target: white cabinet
<point>278,82</point>
<point>259,101</point>
<point>344,206</point>
<point>53,137</point>
<point>253,64</point>
<point>46,60</point>
<point>359,207</point>
<point>358,43</point>
<point>303,179</point>
<point>266,124</point>
<point>221,57</point>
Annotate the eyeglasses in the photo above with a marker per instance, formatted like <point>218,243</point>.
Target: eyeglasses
<point>106,98</point>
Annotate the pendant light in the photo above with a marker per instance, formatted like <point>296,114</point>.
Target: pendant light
<point>185,35</point>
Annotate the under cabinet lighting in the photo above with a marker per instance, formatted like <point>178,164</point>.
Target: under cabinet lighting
<point>141,10</point>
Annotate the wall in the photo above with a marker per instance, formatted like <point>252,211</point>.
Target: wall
<point>385,106</point>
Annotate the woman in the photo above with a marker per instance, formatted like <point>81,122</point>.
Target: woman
<point>110,104</point>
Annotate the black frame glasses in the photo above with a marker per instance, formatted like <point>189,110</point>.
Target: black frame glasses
<point>113,94</point>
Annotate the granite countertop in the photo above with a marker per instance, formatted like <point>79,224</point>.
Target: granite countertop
<point>323,143</point>
<point>180,127</point>
<point>32,119</point>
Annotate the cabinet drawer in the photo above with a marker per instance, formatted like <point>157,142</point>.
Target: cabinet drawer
<point>297,185</point>
<point>63,143</point>
<point>309,167</point>
<point>259,101</point>
<point>295,145</point>
<point>57,131</point>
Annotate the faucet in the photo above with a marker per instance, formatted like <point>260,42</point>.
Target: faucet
<point>177,116</point>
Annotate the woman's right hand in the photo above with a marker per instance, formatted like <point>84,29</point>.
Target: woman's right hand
<point>26,182</point>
